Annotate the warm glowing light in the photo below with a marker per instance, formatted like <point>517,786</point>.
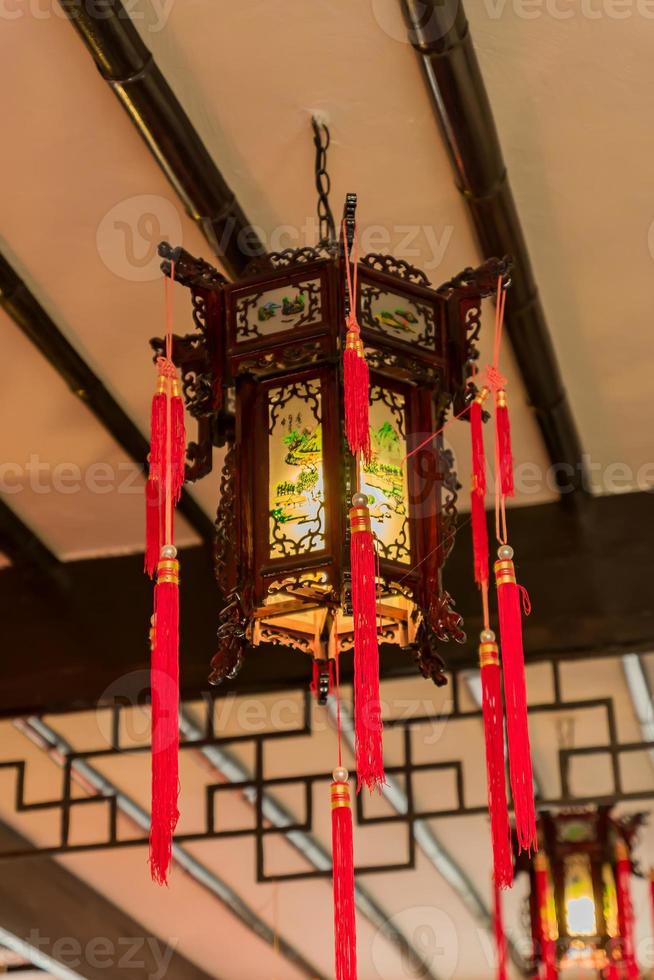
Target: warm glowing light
<point>580,916</point>
<point>579,896</point>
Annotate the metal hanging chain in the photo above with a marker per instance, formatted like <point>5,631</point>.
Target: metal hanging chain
<point>327,228</point>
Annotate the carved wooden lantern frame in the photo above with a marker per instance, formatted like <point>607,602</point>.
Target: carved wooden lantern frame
<point>262,375</point>
<point>578,853</point>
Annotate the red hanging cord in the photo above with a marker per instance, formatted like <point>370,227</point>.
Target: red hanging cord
<point>491,686</point>
<point>345,938</point>
<point>368,727</point>
<point>478,490</point>
<point>169,455</point>
<point>510,596</point>
<point>500,938</point>
<point>356,378</point>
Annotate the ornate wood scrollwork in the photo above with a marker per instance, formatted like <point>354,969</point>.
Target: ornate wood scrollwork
<point>443,619</point>
<point>233,623</point>
<point>407,368</point>
<point>189,270</point>
<point>481,281</point>
<point>395,267</point>
<point>192,353</point>
<point>225,522</point>
<point>451,487</point>
<point>288,257</point>
<point>297,355</point>
<point>234,617</point>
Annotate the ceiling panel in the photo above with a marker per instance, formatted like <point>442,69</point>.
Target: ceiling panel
<point>63,474</point>
<point>569,94</point>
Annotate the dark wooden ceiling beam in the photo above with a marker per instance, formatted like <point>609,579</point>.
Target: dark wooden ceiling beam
<point>440,33</point>
<point>127,65</point>
<point>26,551</point>
<point>43,903</point>
<point>37,325</point>
<point>588,574</point>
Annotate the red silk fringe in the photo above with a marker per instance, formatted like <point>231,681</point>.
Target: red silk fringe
<point>345,936</point>
<point>178,447</point>
<point>479,537</point>
<point>503,429</point>
<point>478,495</point>
<point>155,483</point>
<point>495,775</point>
<point>517,725</point>
<point>611,972</point>
<point>547,944</point>
<point>626,916</point>
<point>153,519</point>
<point>158,435</point>
<point>500,938</point>
<point>165,728</point>
<point>478,454</point>
<point>368,726</point>
<point>356,382</point>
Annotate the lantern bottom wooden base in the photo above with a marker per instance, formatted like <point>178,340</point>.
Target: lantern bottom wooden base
<point>320,628</point>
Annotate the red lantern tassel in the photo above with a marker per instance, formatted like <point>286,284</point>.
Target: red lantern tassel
<point>651,891</point>
<point>178,442</point>
<point>505,455</point>
<point>165,721</point>
<point>625,909</point>
<point>345,934</point>
<point>478,493</point>
<point>500,938</point>
<point>515,696</point>
<point>153,514</point>
<point>367,710</point>
<point>489,663</point>
<point>154,487</point>
<point>155,482</point>
<point>356,382</point>
<point>548,946</point>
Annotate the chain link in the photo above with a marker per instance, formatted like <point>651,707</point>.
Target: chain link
<point>327,228</point>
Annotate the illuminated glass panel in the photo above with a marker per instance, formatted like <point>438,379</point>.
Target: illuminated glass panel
<point>384,478</point>
<point>296,488</point>
<point>579,896</point>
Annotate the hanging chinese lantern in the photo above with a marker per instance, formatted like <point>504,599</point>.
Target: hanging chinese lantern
<point>323,373</point>
<point>267,378</point>
<point>581,912</point>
